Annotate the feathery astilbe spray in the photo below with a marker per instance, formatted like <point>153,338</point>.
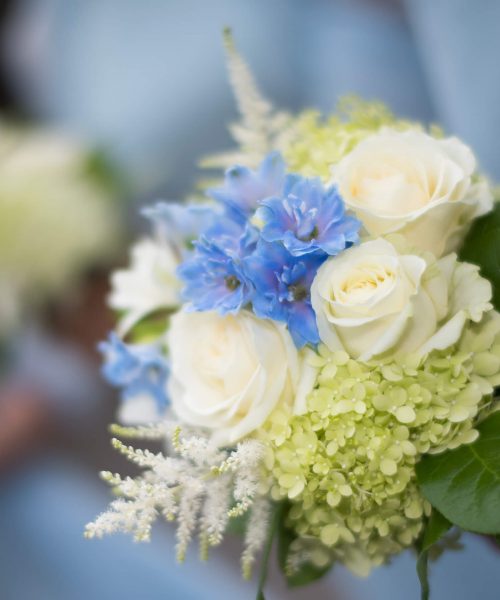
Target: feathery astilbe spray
<point>260,128</point>
<point>187,517</point>
<point>215,515</point>
<point>135,511</point>
<point>155,431</point>
<point>195,486</point>
<point>256,533</point>
<point>244,462</point>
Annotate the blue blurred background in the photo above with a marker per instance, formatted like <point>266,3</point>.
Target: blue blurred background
<point>145,83</point>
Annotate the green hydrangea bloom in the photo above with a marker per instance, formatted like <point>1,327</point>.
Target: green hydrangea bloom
<point>315,143</point>
<point>348,464</point>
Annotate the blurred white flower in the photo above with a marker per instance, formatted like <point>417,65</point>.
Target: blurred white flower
<point>56,218</point>
<point>149,284</point>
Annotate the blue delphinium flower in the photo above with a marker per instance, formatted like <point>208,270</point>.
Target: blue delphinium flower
<point>181,224</point>
<point>214,274</point>
<point>244,188</point>
<point>282,289</point>
<point>139,370</point>
<point>307,219</point>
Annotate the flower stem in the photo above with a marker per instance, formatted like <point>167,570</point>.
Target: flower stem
<point>273,528</point>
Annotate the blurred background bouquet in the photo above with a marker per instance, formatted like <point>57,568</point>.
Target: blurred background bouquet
<point>57,219</point>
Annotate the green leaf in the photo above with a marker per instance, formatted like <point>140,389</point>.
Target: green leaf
<point>150,327</point>
<point>464,484</point>
<point>435,528</point>
<point>237,525</point>
<point>307,573</point>
<point>99,167</point>
<point>482,247</point>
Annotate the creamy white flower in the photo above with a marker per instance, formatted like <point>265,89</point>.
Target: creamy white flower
<point>411,183</point>
<point>229,372</point>
<point>371,301</point>
<point>150,283</point>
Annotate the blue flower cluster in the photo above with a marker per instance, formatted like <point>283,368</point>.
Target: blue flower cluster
<point>268,235</point>
<point>139,370</point>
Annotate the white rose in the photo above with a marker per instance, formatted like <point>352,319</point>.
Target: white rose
<point>149,284</point>
<point>229,372</point>
<point>371,301</point>
<point>411,183</point>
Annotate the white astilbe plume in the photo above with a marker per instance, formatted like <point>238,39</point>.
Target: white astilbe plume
<point>244,463</point>
<point>187,517</point>
<point>261,128</point>
<point>215,515</point>
<point>155,431</point>
<point>196,486</point>
<point>256,533</point>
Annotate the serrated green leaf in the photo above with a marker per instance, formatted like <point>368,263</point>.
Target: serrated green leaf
<point>464,484</point>
<point>482,247</point>
<point>436,527</point>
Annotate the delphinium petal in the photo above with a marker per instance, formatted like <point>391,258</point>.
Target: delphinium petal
<point>244,188</point>
<point>307,218</point>
<point>214,274</point>
<point>141,371</point>
<point>282,289</point>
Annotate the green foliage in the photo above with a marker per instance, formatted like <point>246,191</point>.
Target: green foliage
<point>238,525</point>
<point>482,247</point>
<point>307,573</point>
<point>150,328</point>
<point>435,528</point>
<point>464,484</point>
<point>101,169</point>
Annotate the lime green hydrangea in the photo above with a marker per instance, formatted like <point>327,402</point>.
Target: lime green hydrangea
<point>348,464</point>
<point>315,143</point>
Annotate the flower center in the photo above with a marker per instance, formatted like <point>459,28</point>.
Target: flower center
<point>363,282</point>
<point>298,292</point>
<point>232,282</point>
<point>311,236</point>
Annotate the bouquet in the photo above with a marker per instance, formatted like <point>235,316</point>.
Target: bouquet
<point>44,246</point>
<point>315,346</point>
